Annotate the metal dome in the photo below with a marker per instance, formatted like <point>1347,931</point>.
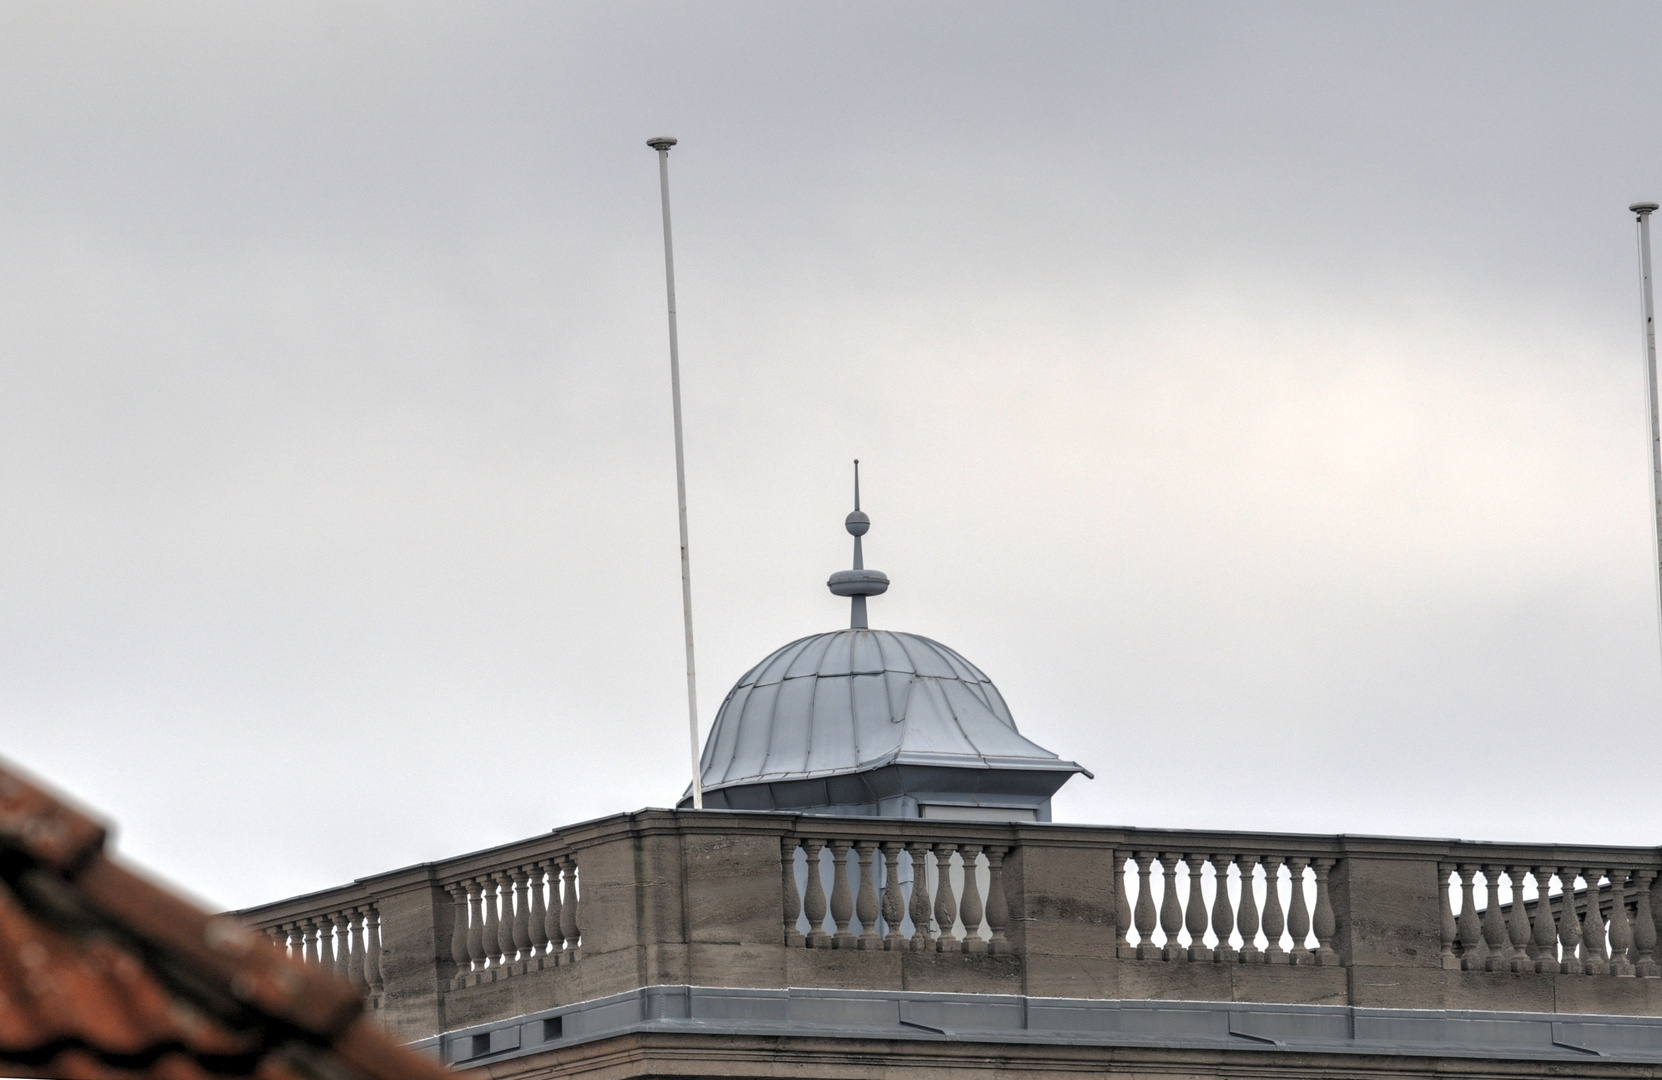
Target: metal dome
<point>875,722</point>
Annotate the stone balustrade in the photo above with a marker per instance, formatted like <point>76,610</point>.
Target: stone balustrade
<point>346,941</point>
<point>875,902</point>
<point>1597,919</point>
<point>719,898</point>
<point>1245,907</point>
<point>514,920</point>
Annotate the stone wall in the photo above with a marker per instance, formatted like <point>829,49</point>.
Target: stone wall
<point>726,899</point>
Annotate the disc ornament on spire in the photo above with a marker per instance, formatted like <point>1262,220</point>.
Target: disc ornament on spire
<point>858,583</point>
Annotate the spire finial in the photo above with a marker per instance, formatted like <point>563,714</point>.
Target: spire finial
<point>858,583</point>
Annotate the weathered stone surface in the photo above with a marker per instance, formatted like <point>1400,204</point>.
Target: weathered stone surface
<point>673,1031</point>
<point>665,898</point>
<point>1388,910</point>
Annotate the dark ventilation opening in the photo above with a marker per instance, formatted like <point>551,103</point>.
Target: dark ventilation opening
<point>553,1028</point>
<point>481,1045</point>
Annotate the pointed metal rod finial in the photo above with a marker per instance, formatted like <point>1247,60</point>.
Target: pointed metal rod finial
<point>662,143</point>
<point>858,583</point>
<point>1648,326</point>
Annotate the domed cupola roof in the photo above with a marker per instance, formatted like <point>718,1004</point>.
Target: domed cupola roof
<point>866,721</point>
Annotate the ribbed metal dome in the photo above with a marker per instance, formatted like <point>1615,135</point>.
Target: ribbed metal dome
<point>863,721</point>
<point>856,701</point>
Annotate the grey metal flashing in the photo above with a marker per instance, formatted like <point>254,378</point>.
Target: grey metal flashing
<point>1014,1019</point>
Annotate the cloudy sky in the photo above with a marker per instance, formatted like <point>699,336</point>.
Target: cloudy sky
<point>1254,391</point>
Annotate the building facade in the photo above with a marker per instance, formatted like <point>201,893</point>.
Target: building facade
<point>875,889</point>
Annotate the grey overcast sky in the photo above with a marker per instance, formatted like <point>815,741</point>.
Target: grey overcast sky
<point>1254,391</point>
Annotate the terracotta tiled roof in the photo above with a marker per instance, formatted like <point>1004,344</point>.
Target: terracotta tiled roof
<point>106,975</point>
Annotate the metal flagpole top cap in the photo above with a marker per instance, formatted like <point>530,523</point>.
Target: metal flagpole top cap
<point>661,142</point>
<point>1642,207</point>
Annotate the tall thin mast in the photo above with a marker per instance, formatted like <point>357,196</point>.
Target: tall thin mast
<point>662,144</point>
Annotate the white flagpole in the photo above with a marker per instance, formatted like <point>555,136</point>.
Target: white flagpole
<point>662,144</point>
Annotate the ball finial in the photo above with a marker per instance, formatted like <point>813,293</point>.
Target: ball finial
<point>858,583</point>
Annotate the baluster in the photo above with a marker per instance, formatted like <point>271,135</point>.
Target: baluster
<point>372,949</point>
<point>522,911</point>
<point>354,949</point>
<point>1569,923</point>
<point>1472,949</point>
<point>508,890</point>
<point>998,905</point>
<point>1146,949</point>
<point>919,906</point>
<point>1322,921</point>
<point>338,945</point>
<point>1593,958</point>
<point>1122,908</point>
<point>1517,926</point>
<point>969,907</point>
<point>1644,929</point>
<point>1274,921</point>
<point>946,902</point>
<point>308,941</point>
<point>494,903</point>
<point>793,896</point>
<point>554,918</point>
<point>1543,936</point>
<point>1194,912</point>
<point>522,936</point>
<point>279,936</point>
<point>1450,931</point>
<point>570,928</point>
<point>326,944</point>
<point>1298,913</point>
<point>491,934</point>
<point>1171,909</point>
<point>1247,920</point>
<point>894,899</point>
<point>537,923</point>
<point>1621,931</point>
<point>1494,927</point>
<point>842,900</point>
<point>1223,913</point>
<point>562,891</point>
<point>476,925</point>
<point>505,922</point>
<point>813,905</point>
<point>343,945</point>
<point>458,930</point>
<point>865,907</point>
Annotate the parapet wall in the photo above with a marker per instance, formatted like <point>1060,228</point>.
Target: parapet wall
<point>726,899</point>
